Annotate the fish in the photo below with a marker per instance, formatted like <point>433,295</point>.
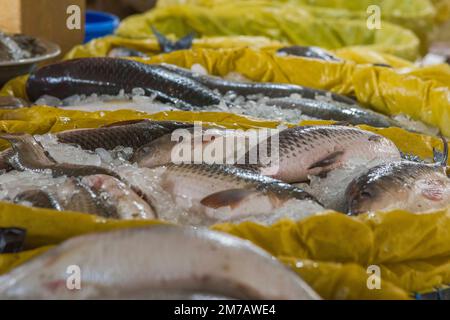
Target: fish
<point>166,45</point>
<point>133,134</point>
<point>12,103</point>
<point>405,185</point>
<point>160,152</point>
<point>122,52</point>
<point>308,52</point>
<point>109,76</point>
<point>12,240</point>
<point>100,195</point>
<point>28,154</point>
<point>351,114</point>
<point>155,262</point>
<point>267,89</point>
<point>306,151</point>
<point>223,193</point>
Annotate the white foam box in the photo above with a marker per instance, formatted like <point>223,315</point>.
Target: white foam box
<point>46,19</point>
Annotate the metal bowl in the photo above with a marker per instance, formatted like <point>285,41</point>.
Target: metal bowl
<point>12,69</point>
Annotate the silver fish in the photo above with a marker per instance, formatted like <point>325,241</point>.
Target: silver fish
<point>407,185</point>
<point>316,150</point>
<point>351,114</point>
<point>225,193</point>
<point>148,262</point>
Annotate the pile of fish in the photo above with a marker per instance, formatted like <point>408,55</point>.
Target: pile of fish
<point>176,172</point>
<point>93,84</point>
<point>130,170</point>
<point>19,47</point>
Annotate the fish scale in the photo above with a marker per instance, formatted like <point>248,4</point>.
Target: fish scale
<point>233,177</point>
<point>108,76</point>
<point>404,185</point>
<point>305,151</point>
<point>160,260</point>
<point>133,135</point>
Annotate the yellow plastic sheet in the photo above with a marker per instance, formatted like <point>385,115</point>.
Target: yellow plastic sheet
<point>442,9</point>
<point>102,46</point>
<point>417,15</point>
<point>286,23</point>
<point>331,250</point>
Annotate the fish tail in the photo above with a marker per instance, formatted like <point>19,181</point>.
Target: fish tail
<point>166,45</point>
<point>441,158</point>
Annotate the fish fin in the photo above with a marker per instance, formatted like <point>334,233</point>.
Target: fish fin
<point>228,198</point>
<point>124,123</point>
<point>185,42</point>
<point>434,190</point>
<point>166,45</point>
<point>327,161</point>
<point>441,157</point>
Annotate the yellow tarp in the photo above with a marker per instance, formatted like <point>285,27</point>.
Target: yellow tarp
<point>417,15</point>
<point>102,46</point>
<point>331,251</point>
<point>442,9</point>
<point>286,23</point>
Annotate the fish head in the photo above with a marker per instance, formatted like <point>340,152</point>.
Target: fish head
<point>370,193</point>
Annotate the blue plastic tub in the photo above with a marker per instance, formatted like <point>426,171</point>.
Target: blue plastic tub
<point>100,24</point>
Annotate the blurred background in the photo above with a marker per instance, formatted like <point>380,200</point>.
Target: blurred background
<point>121,8</point>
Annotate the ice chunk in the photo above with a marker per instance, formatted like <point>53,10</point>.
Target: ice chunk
<point>67,153</point>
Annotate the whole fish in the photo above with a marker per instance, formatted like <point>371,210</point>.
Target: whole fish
<point>351,114</point>
<point>155,262</point>
<point>406,185</point>
<point>133,134</point>
<point>100,195</point>
<point>224,193</point>
<point>28,154</point>
<point>316,150</point>
<point>109,76</point>
<point>308,52</point>
<point>267,89</point>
